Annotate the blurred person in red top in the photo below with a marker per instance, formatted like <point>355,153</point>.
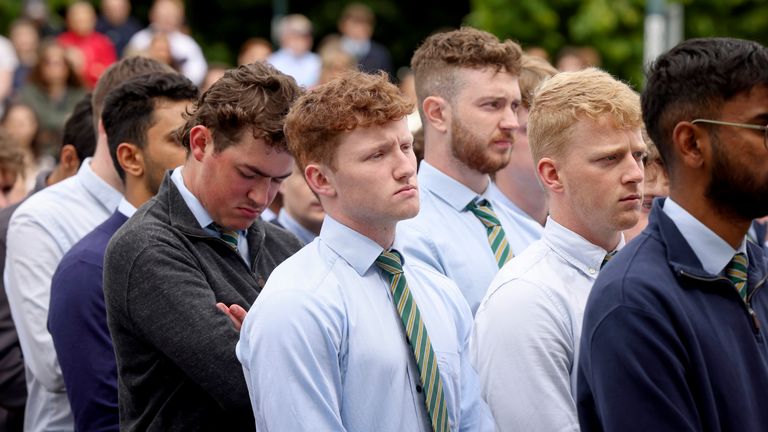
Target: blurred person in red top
<point>95,51</point>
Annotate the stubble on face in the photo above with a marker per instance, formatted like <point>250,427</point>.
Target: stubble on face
<point>732,189</point>
<point>472,150</point>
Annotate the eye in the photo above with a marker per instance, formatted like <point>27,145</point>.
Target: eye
<point>247,176</point>
<point>406,147</point>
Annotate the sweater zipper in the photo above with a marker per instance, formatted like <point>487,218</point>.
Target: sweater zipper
<point>754,320</point>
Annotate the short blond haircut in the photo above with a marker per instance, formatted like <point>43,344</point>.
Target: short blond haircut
<point>436,61</point>
<point>534,71</point>
<point>318,119</point>
<point>570,97</point>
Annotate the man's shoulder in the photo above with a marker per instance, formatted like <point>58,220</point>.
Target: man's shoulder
<point>65,195</point>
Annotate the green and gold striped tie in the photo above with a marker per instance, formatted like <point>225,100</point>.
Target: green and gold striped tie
<point>607,258</point>
<point>416,331</point>
<point>229,236</point>
<point>496,236</point>
<point>737,273</point>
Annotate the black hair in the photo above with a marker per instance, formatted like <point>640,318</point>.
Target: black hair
<point>693,80</point>
<point>128,108</point>
<point>78,130</point>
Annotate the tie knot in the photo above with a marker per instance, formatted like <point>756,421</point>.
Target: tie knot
<point>484,211</point>
<point>737,273</point>
<point>229,236</point>
<point>608,257</point>
<point>390,261</point>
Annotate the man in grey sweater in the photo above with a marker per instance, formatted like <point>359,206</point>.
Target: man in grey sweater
<point>200,242</point>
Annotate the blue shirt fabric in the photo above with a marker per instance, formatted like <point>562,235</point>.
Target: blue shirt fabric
<point>323,346</point>
<point>667,345</point>
<point>525,223</point>
<point>305,68</point>
<point>289,223</point>
<point>77,321</point>
<point>451,239</point>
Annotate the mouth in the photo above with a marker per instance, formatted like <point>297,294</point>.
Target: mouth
<point>249,212</point>
<point>631,198</point>
<point>406,188</point>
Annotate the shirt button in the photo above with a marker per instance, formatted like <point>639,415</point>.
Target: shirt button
<point>592,271</point>
<point>418,388</point>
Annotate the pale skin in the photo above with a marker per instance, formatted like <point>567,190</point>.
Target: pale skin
<point>607,159</point>
<point>487,101</point>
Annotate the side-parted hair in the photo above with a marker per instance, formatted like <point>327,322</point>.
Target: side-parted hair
<point>570,97</point>
<point>437,59</point>
<point>693,79</point>
<point>78,130</point>
<point>318,119</point>
<point>533,72</point>
<point>118,73</point>
<point>129,108</point>
<point>255,98</point>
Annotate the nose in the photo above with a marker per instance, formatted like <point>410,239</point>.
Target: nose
<point>405,165</point>
<point>262,192</point>
<point>509,120</point>
<point>634,171</point>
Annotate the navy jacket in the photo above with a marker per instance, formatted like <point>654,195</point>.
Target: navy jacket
<point>77,321</point>
<point>667,347</point>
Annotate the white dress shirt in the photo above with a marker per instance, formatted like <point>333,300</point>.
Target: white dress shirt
<point>305,68</point>
<point>40,232</point>
<point>323,347</point>
<point>525,341</point>
<point>184,50</point>
<point>451,239</point>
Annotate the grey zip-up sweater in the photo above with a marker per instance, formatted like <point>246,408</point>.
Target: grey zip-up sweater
<point>163,275</point>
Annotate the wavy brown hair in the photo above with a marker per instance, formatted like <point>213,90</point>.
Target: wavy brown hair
<point>435,62</point>
<point>253,97</point>
<point>354,100</point>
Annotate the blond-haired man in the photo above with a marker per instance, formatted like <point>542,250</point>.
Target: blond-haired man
<point>584,131</point>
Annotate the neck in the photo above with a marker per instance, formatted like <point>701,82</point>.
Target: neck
<point>608,239</point>
<point>136,192</point>
<point>381,232</point>
<point>726,224</point>
<point>102,166</point>
<point>454,168</point>
<point>533,203</point>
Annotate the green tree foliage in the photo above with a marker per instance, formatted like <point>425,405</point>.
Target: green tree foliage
<point>613,27</point>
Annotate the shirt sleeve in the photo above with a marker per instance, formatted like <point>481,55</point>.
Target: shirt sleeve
<point>171,304</point>
<point>632,375</point>
<point>29,268</point>
<point>523,350</point>
<point>290,351</point>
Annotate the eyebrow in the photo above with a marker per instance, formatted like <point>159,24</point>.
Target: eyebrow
<point>263,174</point>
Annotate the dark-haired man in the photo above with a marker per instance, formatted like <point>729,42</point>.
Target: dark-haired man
<point>140,118</point>
<point>78,142</point>
<point>56,218</point>
<point>200,242</point>
<point>672,337</point>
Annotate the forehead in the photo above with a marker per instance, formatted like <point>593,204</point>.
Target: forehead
<point>487,81</point>
<point>362,138</point>
<point>596,135</point>
<point>747,105</point>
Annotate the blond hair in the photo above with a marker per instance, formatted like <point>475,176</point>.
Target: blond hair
<point>570,97</point>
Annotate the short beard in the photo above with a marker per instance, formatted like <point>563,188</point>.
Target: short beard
<point>472,151</point>
<point>732,191</point>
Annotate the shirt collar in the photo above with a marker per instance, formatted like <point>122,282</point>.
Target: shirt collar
<point>125,208</point>
<point>354,248</point>
<point>713,252</point>
<point>105,194</point>
<point>446,188</point>
<point>289,223</point>
<point>575,249</point>
<point>197,209</point>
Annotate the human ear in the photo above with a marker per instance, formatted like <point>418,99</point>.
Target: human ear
<point>320,179</point>
<point>199,138</point>
<point>691,144</point>
<point>437,112</point>
<point>548,174</point>
<point>131,159</point>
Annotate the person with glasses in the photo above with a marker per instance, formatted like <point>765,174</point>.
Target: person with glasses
<point>672,337</point>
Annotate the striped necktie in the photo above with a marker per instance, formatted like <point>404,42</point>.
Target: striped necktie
<point>229,236</point>
<point>416,331</point>
<point>607,258</point>
<point>737,273</point>
<point>496,236</point>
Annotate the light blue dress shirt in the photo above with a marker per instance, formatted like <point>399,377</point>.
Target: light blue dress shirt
<point>529,228</point>
<point>40,232</point>
<point>525,342</point>
<point>289,223</point>
<point>202,216</point>
<point>305,69</point>
<point>451,239</point>
<point>323,347</point>
<point>713,252</point>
